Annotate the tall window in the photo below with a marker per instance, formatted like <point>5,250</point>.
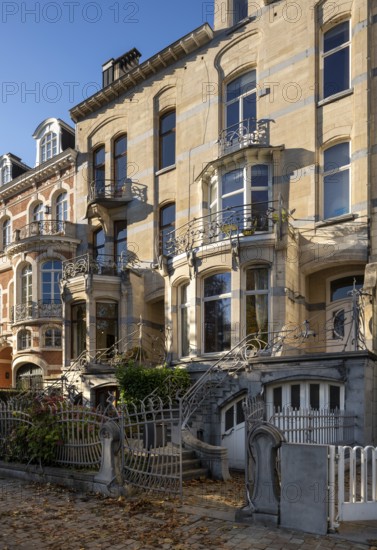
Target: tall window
<point>5,173</point>
<point>336,59</point>
<point>120,240</point>
<point>99,170</point>
<point>51,273</point>
<point>257,287</point>
<point>24,339</point>
<point>217,300</point>
<point>241,108</point>
<point>240,10</point>
<point>78,329</point>
<point>167,140</point>
<point>336,180</point>
<point>243,198</point>
<point>26,284</point>
<point>106,325</point>
<point>341,308</point>
<point>61,210</point>
<point>48,146</point>
<point>99,241</point>
<point>184,320</point>
<point>167,225</point>
<point>7,232</point>
<point>120,162</point>
<point>38,213</point>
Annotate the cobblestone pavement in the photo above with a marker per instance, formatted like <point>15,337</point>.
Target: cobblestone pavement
<point>47,517</point>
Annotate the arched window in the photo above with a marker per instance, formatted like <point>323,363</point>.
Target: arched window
<point>24,339</point>
<point>167,225</point>
<point>167,139</point>
<point>241,107</point>
<point>29,377</point>
<point>217,312</point>
<point>26,285</point>
<point>184,319</point>
<point>38,213</point>
<point>336,59</point>
<point>51,273</point>
<point>48,146</point>
<point>99,170</point>
<point>61,211</point>
<point>120,162</point>
<point>336,180</point>
<point>7,233</point>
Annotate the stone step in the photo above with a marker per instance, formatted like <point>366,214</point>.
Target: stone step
<point>191,464</point>
<point>196,473</point>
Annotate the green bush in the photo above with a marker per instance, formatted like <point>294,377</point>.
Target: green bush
<point>137,381</point>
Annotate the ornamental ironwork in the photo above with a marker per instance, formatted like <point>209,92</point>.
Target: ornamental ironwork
<point>239,221</point>
<point>36,310</point>
<point>40,228</point>
<point>243,134</point>
<point>103,264</point>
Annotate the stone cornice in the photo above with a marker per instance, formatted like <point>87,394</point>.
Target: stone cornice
<point>64,160</point>
<point>158,62</point>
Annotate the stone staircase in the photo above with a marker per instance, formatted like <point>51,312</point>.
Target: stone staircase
<point>191,466</point>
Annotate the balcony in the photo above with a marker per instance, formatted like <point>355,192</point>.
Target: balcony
<point>39,233</point>
<point>244,134</point>
<point>104,264</point>
<point>110,194</point>
<point>238,222</point>
<point>31,311</point>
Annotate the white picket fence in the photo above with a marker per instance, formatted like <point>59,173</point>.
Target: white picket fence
<point>322,426</point>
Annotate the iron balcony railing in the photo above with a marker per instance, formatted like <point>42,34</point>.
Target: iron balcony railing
<point>40,228</point>
<point>239,221</point>
<point>103,189</point>
<point>36,310</point>
<point>103,264</point>
<point>243,134</point>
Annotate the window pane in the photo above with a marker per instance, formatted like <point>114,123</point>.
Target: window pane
<point>106,325</point>
<point>242,85</point>
<point>231,202</point>
<point>240,415</point>
<point>336,194</point>
<point>257,315</point>
<point>167,225</point>
<point>314,396</point>
<point>336,72</point>
<point>185,342</point>
<point>240,10</point>
<point>232,181</point>
<point>341,288</point>
<point>257,279</point>
<point>232,119</point>
<point>337,156</point>
<point>229,419</point>
<point>168,122</point>
<point>217,284</point>
<point>99,156</point>
<point>167,140</point>
<point>217,325</point>
<point>336,37</point>
<point>259,175</point>
<point>249,110</point>
<point>295,396</point>
<point>338,324</point>
<point>278,398</point>
<point>120,146</point>
<point>334,397</point>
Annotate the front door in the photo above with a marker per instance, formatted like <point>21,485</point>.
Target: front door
<point>233,433</point>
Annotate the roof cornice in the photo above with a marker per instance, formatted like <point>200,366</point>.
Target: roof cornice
<point>41,172</point>
<point>160,61</point>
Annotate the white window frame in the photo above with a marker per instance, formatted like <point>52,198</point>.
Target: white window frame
<point>324,55</point>
<point>5,173</point>
<point>6,232</point>
<point>54,337</point>
<point>23,339</point>
<point>48,146</point>
<point>265,292</point>
<point>216,297</point>
<point>333,172</point>
<point>184,307</point>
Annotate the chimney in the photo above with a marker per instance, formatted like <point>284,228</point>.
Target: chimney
<point>115,68</point>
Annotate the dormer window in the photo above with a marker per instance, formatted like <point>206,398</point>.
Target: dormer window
<point>5,173</point>
<point>48,146</point>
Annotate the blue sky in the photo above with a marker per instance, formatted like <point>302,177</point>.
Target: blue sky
<point>52,53</point>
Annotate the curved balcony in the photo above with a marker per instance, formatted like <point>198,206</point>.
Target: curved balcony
<point>40,233</point>
<point>244,134</point>
<point>104,264</point>
<point>238,222</point>
<point>32,311</point>
<point>111,194</point>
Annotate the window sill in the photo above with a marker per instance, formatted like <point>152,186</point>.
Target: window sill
<point>335,97</point>
<point>164,170</point>
<point>333,221</point>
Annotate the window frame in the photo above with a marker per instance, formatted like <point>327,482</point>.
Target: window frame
<point>119,182</point>
<point>23,339</point>
<point>184,324</point>
<point>99,183</point>
<point>305,393</point>
<point>6,230</point>
<point>54,338</point>
<point>26,284</point>
<point>164,229</point>
<point>61,207</point>
<point>216,298</point>
<point>238,128</point>
<point>164,140</point>
<point>258,292</point>
<point>48,146</point>
<point>331,173</point>
<point>333,51</point>
<point>122,243</point>
<point>54,277</point>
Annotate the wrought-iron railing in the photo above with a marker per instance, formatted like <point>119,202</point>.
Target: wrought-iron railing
<point>244,133</point>
<point>103,264</point>
<point>109,189</point>
<point>39,228</point>
<point>239,221</point>
<point>36,310</point>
